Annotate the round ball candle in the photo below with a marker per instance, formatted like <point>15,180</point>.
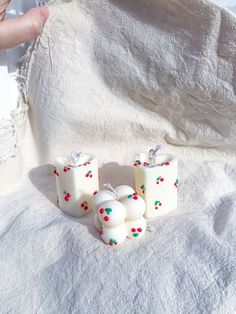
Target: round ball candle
<point>76,183</point>
<point>119,214</point>
<point>156,179</point>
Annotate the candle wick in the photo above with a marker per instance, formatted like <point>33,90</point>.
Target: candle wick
<point>153,152</point>
<point>111,188</point>
<point>75,157</point>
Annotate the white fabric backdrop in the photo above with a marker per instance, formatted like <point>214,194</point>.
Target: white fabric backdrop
<point>122,77</point>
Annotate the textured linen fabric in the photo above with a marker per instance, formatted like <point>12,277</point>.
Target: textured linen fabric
<point>114,78</point>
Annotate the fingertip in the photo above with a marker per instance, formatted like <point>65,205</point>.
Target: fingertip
<point>43,13</point>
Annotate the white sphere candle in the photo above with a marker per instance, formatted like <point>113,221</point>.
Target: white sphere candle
<point>136,228</point>
<point>76,183</point>
<point>101,197</point>
<point>123,190</point>
<point>111,213</point>
<point>134,205</point>
<point>157,181</point>
<point>114,236</point>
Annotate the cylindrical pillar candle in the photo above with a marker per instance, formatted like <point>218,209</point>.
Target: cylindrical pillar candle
<point>156,180</point>
<point>77,182</point>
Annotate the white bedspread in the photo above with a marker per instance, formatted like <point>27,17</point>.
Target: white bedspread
<point>138,73</point>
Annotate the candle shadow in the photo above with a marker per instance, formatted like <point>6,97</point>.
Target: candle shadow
<point>41,177</point>
<point>87,221</point>
<point>116,175</point>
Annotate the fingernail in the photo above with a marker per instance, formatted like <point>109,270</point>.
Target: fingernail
<point>44,12</point>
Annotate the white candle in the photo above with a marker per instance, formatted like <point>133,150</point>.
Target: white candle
<point>77,182</point>
<point>157,181</point>
<point>119,214</point>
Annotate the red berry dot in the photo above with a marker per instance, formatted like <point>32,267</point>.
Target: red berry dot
<point>167,163</point>
<point>101,210</point>
<point>82,205</point>
<point>160,204</point>
<point>106,218</point>
<point>110,244</point>
<point>65,170</point>
<point>86,207</point>
<point>66,198</point>
<point>91,175</point>
<point>133,229</point>
<point>162,179</point>
<point>139,229</point>
<point>156,207</point>
<point>55,172</point>
<point>86,175</point>
<point>94,193</point>
<point>135,197</point>
<point>68,194</point>
<point>157,182</point>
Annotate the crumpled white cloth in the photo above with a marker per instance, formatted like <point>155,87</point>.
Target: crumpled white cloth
<point>114,78</point>
<point>186,263</point>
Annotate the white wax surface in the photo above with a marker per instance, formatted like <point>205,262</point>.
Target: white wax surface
<point>155,181</point>
<point>76,184</point>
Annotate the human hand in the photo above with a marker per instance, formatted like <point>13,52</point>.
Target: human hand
<point>22,28</point>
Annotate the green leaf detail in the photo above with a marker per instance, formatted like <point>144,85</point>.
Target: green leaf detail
<point>135,235</point>
<point>137,161</point>
<point>112,240</point>
<point>158,178</point>
<point>177,181</point>
<point>157,202</point>
<point>130,196</point>
<point>64,192</point>
<point>108,210</point>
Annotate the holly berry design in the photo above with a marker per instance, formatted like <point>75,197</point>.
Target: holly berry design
<point>159,180</point>
<point>134,196</point>
<point>89,174</point>
<point>67,196</point>
<point>157,204</point>
<point>165,163</point>
<point>84,205</point>
<point>112,242</point>
<point>176,184</point>
<point>55,172</point>
<point>95,192</point>
<point>137,163</point>
<point>142,187</point>
<point>107,210</point>
<point>136,231</point>
<point>67,168</point>
<point>87,163</point>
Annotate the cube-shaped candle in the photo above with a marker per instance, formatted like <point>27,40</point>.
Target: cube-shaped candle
<point>156,180</point>
<point>76,183</point>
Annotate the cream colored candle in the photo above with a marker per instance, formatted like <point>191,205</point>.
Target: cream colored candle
<point>77,182</point>
<point>156,180</point>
